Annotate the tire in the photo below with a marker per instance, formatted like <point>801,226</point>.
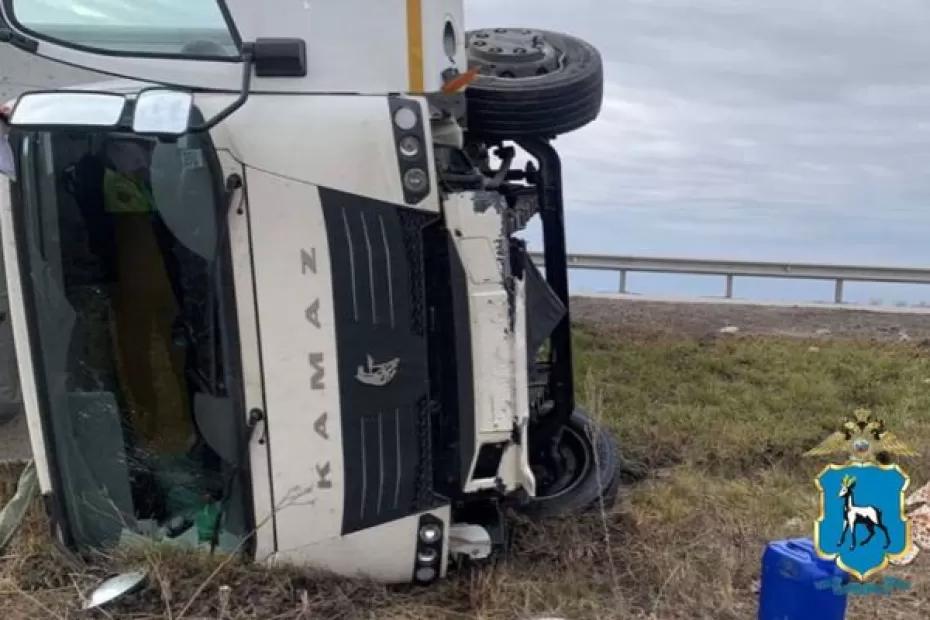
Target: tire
<point>553,86</point>
<point>587,480</point>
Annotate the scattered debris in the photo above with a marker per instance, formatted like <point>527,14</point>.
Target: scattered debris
<point>114,588</point>
<point>909,557</point>
<point>903,337</point>
<point>919,515</point>
<point>224,594</point>
<point>921,495</point>
<point>795,523</point>
<point>12,515</point>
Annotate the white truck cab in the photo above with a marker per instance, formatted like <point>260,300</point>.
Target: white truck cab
<point>267,288</point>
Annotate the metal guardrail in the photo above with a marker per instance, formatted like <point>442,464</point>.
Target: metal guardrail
<point>730,269</point>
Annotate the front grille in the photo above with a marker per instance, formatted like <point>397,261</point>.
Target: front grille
<point>376,254</point>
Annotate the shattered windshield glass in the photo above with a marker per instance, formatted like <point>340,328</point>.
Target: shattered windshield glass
<point>169,27</point>
<point>127,289</point>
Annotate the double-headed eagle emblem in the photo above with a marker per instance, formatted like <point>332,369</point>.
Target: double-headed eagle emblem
<point>864,438</point>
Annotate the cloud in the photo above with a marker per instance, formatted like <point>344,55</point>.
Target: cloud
<point>789,122</point>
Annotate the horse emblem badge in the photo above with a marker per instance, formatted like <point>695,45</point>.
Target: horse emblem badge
<point>378,375</point>
<point>863,524</point>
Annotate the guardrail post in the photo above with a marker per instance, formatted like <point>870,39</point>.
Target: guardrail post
<point>623,281</point>
<point>838,293</point>
<point>729,286</point>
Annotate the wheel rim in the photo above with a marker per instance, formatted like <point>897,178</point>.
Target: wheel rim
<point>512,53</point>
<point>578,458</point>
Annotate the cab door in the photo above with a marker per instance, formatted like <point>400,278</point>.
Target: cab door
<point>194,45</point>
<point>348,46</point>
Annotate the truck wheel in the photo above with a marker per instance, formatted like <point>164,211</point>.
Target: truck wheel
<point>590,470</point>
<point>531,83</point>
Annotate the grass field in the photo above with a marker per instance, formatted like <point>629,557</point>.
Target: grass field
<point>721,422</point>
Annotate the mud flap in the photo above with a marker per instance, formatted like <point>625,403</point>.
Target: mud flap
<point>544,309</point>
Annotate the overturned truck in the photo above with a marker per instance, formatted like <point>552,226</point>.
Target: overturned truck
<point>268,289</point>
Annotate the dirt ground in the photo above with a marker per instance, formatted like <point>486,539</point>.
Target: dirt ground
<point>700,319</point>
<point>684,320</point>
<point>720,424</point>
<point>14,440</point>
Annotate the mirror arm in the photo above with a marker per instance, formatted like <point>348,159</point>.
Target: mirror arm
<point>17,40</point>
<point>248,61</point>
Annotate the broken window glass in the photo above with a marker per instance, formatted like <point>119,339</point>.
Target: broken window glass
<point>126,283</point>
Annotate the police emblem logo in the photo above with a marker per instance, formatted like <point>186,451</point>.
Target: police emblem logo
<point>863,524</point>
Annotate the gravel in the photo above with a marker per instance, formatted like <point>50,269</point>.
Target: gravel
<point>701,319</point>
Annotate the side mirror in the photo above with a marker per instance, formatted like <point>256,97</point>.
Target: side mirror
<point>73,108</point>
<point>162,112</point>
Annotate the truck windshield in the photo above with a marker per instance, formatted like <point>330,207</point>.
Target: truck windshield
<point>164,27</point>
<point>126,289</point>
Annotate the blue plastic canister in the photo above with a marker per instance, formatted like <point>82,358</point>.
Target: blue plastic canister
<point>797,584</point>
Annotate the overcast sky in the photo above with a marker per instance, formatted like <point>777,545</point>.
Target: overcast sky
<point>756,129</point>
<point>763,129</point>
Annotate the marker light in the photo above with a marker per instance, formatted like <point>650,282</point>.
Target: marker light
<point>427,555</point>
<point>409,146</point>
<point>430,533</point>
<point>416,180</point>
<point>405,119</point>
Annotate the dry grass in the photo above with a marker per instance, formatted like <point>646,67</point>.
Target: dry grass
<point>721,422</point>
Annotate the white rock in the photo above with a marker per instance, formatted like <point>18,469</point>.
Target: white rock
<point>907,559</point>
<point>729,329</point>
<point>795,522</point>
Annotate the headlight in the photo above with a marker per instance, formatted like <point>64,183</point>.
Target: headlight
<point>430,533</point>
<point>416,180</point>
<point>427,555</point>
<point>409,146</point>
<point>405,119</point>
